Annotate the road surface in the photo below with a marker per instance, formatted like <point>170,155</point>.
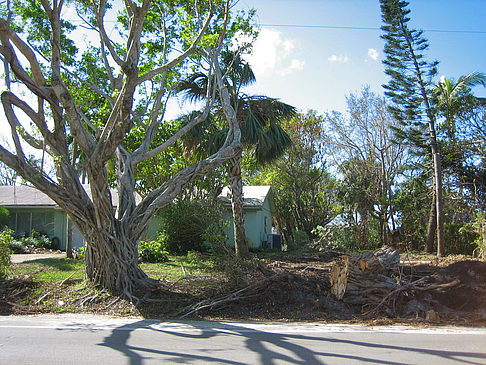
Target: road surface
<point>82,339</point>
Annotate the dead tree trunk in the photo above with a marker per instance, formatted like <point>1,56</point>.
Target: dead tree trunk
<point>361,278</point>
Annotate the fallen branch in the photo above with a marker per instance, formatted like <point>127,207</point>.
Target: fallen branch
<point>392,293</point>
<point>440,286</point>
<point>64,281</point>
<point>90,299</point>
<point>231,297</point>
<point>41,298</point>
<point>183,270</point>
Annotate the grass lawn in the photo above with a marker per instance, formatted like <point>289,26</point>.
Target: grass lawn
<point>57,285</point>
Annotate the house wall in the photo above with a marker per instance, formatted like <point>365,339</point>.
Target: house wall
<point>258,225</point>
<point>53,222</point>
<point>46,220</point>
<point>153,229</point>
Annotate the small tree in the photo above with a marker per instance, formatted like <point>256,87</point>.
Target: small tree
<point>362,143</point>
<point>304,191</point>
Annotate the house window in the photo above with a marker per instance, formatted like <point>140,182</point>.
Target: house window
<point>43,222</point>
<point>23,223</point>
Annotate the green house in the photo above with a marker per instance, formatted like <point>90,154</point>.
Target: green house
<point>31,209</point>
<point>259,208</point>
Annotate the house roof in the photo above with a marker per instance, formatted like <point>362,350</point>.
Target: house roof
<point>253,196</point>
<point>22,195</point>
<point>28,196</point>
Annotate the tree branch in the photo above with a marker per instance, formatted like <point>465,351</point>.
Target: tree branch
<point>149,75</point>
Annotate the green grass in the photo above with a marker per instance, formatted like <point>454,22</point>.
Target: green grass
<point>44,288</point>
<point>173,270</point>
<point>49,270</point>
<point>56,270</point>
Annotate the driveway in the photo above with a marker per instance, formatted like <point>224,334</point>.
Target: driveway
<point>23,257</point>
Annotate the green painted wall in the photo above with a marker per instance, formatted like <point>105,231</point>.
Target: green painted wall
<point>258,225</point>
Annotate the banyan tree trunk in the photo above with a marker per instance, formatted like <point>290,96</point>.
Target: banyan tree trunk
<point>113,264</point>
<point>111,257</point>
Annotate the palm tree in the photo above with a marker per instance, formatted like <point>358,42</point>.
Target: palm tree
<point>259,117</point>
<point>449,97</point>
<point>452,98</point>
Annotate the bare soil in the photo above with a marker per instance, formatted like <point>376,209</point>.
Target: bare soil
<point>280,288</point>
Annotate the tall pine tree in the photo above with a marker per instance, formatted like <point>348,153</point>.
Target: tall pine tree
<point>409,88</point>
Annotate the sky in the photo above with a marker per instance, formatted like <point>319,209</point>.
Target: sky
<point>307,55</point>
<point>314,66</point>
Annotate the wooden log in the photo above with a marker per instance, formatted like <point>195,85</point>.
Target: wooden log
<point>364,278</point>
<point>339,277</point>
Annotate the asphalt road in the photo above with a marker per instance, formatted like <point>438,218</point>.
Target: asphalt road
<point>79,339</point>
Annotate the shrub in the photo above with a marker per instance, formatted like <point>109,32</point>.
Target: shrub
<point>4,214</point>
<point>215,238</point>
<point>478,228</point>
<point>17,246</point>
<point>5,241</point>
<point>459,240</point>
<point>336,237</point>
<point>299,239</point>
<point>152,251</point>
<point>188,224</point>
<point>35,240</point>
<point>78,253</point>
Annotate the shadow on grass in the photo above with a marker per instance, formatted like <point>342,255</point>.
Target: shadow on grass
<point>63,264</point>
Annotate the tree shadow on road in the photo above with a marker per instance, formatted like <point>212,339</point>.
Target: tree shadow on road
<point>266,347</point>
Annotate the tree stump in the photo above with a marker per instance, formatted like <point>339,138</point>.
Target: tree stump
<point>364,278</point>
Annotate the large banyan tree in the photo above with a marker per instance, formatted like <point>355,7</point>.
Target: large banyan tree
<point>76,91</point>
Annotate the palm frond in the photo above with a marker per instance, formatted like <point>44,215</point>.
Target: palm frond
<point>194,88</point>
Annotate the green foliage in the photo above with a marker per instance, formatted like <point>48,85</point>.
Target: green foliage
<point>17,246</point>
<point>459,240</point>
<point>215,237</point>
<point>299,240</point>
<point>4,214</point>
<point>412,203</point>
<point>35,240</point>
<point>336,237</point>
<point>79,253</point>
<point>478,226</point>
<point>304,191</point>
<point>189,223</point>
<point>152,251</point>
<point>32,19</point>
<point>409,72</point>
<point>5,241</point>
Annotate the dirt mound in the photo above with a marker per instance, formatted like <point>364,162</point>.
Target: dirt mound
<point>469,294</point>
<point>298,288</point>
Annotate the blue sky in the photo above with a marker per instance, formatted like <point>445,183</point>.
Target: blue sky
<point>314,68</point>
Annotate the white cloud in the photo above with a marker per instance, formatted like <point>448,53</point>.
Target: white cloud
<point>338,59</point>
<point>295,65</point>
<point>373,54</point>
<point>273,54</point>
